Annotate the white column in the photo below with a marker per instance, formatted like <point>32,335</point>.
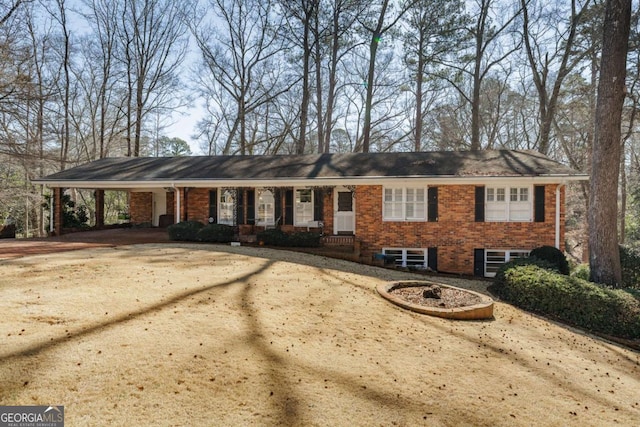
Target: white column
<point>177,205</point>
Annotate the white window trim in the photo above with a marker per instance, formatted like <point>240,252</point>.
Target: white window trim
<point>507,203</point>
<point>404,203</point>
<point>220,194</point>
<point>507,257</point>
<point>425,265</point>
<point>296,221</point>
<point>269,221</point>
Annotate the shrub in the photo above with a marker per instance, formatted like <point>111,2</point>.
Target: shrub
<point>273,237</point>
<point>553,255</point>
<point>185,230</point>
<point>630,263</point>
<point>277,237</point>
<point>500,284</point>
<point>581,271</point>
<point>304,239</point>
<point>215,233</point>
<point>571,299</point>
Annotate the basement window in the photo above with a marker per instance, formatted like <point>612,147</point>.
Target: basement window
<point>408,257</point>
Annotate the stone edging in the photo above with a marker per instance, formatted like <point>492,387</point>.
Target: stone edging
<point>481,311</point>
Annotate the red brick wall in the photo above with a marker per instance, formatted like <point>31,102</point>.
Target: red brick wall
<point>456,234</point>
<point>140,207</point>
<point>198,205</point>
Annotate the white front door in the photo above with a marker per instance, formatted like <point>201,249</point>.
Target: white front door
<point>159,206</point>
<point>344,212</point>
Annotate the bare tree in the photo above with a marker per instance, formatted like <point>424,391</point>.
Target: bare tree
<point>302,18</point>
<point>335,39</point>
<point>377,27</point>
<point>604,256</point>
<point>153,34</point>
<point>550,54</point>
<point>433,29</point>
<point>240,63</point>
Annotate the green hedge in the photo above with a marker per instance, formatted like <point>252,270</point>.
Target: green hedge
<point>215,233</point>
<point>630,263</point>
<point>584,304</point>
<point>552,255</point>
<point>185,230</point>
<point>277,237</point>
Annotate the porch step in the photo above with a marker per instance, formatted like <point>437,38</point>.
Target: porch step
<point>338,240</point>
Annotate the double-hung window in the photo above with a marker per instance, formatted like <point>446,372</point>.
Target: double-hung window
<point>404,204</point>
<point>226,210</point>
<point>508,204</point>
<point>303,207</point>
<point>265,208</point>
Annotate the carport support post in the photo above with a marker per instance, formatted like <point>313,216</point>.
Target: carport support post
<point>99,196</point>
<point>57,211</point>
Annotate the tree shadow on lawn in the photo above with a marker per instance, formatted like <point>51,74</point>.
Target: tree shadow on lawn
<point>514,352</point>
<point>286,402</point>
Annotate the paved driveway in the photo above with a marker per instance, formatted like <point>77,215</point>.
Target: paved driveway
<point>14,248</point>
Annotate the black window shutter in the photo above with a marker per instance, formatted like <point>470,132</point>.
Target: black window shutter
<point>432,208</point>
<point>318,205</point>
<point>277,205</point>
<point>240,207</point>
<point>432,258</point>
<point>288,207</point>
<point>251,206</point>
<point>538,198</point>
<point>480,204</point>
<point>213,207</point>
<point>478,262</point>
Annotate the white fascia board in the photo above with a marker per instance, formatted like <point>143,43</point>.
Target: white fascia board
<point>301,182</point>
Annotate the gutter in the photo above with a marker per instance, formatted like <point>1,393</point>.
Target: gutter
<point>274,182</point>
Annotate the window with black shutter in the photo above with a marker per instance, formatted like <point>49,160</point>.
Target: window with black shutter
<point>240,207</point>
<point>213,207</point>
<point>539,203</point>
<point>288,207</point>
<point>318,205</point>
<point>480,204</point>
<point>251,206</point>
<point>432,209</point>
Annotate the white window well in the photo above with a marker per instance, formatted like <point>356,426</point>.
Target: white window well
<point>407,257</point>
<point>493,259</point>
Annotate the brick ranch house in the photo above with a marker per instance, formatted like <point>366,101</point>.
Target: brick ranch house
<point>457,212</point>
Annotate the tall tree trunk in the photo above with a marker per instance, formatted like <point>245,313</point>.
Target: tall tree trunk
<point>417,143</point>
<point>376,36</point>
<point>604,256</point>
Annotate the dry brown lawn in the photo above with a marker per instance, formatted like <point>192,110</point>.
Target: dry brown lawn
<point>205,335</point>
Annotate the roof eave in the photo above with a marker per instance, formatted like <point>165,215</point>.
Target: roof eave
<point>368,180</point>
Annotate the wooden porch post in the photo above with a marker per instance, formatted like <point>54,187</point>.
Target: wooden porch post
<point>57,211</point>
<point>99,196</point>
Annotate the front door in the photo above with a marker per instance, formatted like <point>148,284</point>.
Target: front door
<point>344,221</point>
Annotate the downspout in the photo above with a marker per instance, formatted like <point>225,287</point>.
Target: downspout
<point>51,211</point>
<point>558,188</point>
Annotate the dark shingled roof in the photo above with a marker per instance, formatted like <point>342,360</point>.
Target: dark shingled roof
<point>488,163</point>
